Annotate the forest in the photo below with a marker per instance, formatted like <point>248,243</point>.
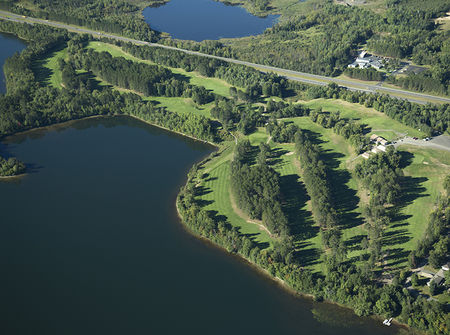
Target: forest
<point>255,183</point>
<point>115,16</point>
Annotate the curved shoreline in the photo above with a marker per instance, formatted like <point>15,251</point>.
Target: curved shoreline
<point>275,280</point>
<point>278,281</point>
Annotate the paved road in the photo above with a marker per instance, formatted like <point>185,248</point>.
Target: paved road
<point>289,74</point>
<point>441,142</point>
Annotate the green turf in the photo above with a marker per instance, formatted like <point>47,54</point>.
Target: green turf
<point>183,105</point>
<point>47,70</point>
<point>216,85</point>
<point>217,192</point>
<point>378,122</point>
<point>424,177</point>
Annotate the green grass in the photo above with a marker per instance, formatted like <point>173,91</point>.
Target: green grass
<point>183,105</point>
<point>341,159</point>
<point>47,70</point>
<point>378,122</point>
<point>424,174</point>
<point>217,192</point>
<point>218,86</point>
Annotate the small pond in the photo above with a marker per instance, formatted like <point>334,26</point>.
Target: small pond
<point>9,46</point>
<point>200,20</point>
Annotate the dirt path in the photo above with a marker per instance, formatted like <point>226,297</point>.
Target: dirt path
<point>242,215</point>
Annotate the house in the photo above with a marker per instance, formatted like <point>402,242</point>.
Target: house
<point>446,267</point>
<point>382,141</point>
<point>375,150</point>
<point>373,137</point>
<point>364,61</point>
<point>381,148</point>
<point>378,139</point>
<point>366,155</point>
<point>426,273</point>
<point>438,278</point>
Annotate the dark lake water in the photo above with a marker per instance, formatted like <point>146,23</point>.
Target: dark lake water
<point>90,244</point>
<point>200,20</point>
<point>9,45</point>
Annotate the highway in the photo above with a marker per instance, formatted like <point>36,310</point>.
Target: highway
<point>288,74</point>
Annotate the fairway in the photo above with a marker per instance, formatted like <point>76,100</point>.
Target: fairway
<point>216,192</point>
<point>378,122</point>
<point>47,69</point>
<point>217,86</point>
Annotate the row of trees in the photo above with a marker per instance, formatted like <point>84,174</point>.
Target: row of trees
<point>316,178</point>
<point>350,130</point>
<point>435,242</point>
<point>380,175</point>
<point>428,118</point>
<point>364,74</point>
<point>256,188</point>
<point>342,281</point>
<point>253,81</point>
<point>115,16</point>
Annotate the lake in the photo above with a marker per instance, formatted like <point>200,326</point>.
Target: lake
<point>200,20</point>
<point>90,243</point>
<point>9,46</point>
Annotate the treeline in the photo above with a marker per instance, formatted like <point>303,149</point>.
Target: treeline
<point>380,175</point>
<point>150,80</point>
<point>253,81</point>
<point>280,109</point>
<point>342,281</point>
<point>364,74</point>
<point>11,167</point>
<point>435,242</point>
<point>29,104</point>
<point>428,118</point>
<point>350,130</point>
<point>426,81</point>
<point>256,189</point>
<point>284,132</point>
<point>194,125</point>
<point>316,178</point>
<point>116,16</point>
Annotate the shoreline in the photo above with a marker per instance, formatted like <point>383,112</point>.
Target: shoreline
<point>68,122</point>
<point>280,282</point>
<point>275,280</point>
<point>13,177</point>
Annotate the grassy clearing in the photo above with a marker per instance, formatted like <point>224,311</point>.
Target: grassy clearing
<point>378,122</point>
<point>47,70</point>
<point>424,176</point>
<point>218,86</point>
<point>216,195</point>
<point>183,105</point>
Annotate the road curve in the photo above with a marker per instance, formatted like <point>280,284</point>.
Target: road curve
<point>288,74</point>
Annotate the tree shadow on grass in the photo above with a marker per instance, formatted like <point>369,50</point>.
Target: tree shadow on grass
<point>411,189</point>
<point>396,256</point>
<point>42,73</point>
<point>301,223</point>
<point>354,243</point>
<point>306,255</point>
<point>201,191</point>
<point>395,237</point>
<point>275,155</point>
<point>345,199</point>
